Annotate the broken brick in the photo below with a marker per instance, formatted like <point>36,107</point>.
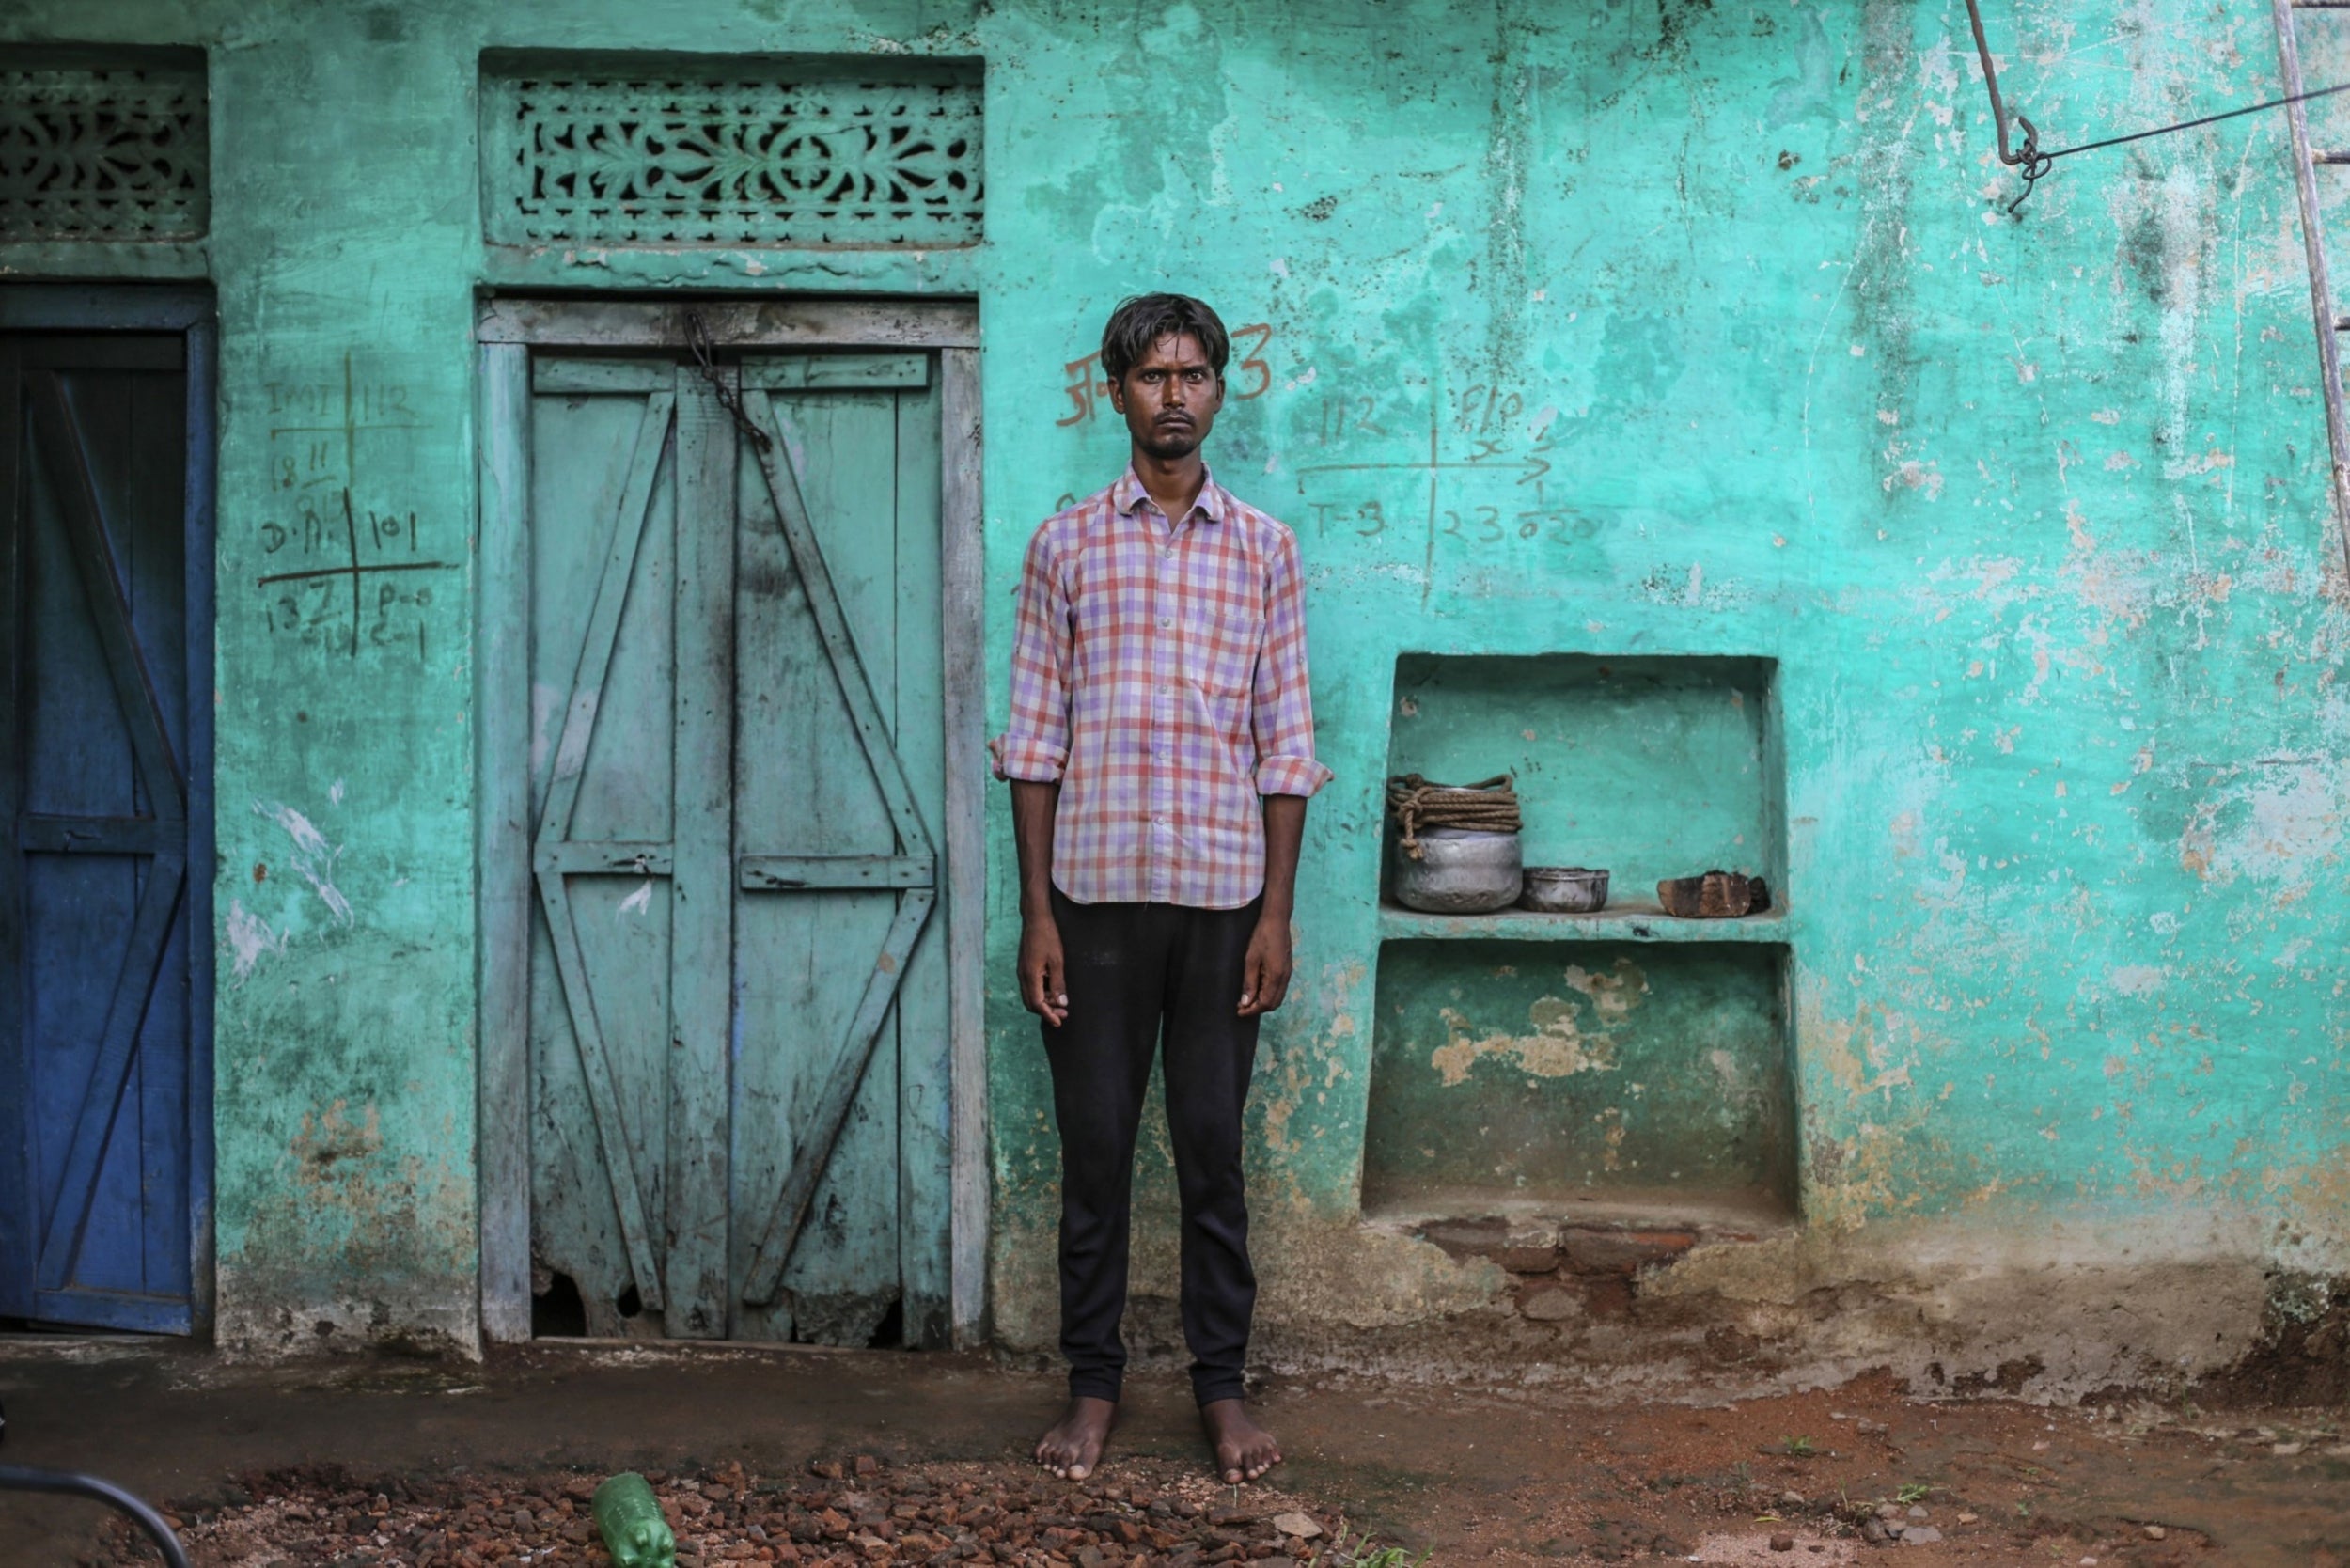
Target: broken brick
<point>1625,1252</point>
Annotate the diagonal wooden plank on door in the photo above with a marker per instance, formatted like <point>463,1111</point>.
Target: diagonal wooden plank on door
<point>126,1010</point>
<point>832,626</point>
<point>549,857</point>
<point>813,1153</point>
<point>66,458</point>
<point>603,621</point>
<point>595,1065</point>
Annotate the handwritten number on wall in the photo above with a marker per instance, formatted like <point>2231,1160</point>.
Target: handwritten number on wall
<point>1088,393</point>
<point>343,575</point>
<point>1250,365</point>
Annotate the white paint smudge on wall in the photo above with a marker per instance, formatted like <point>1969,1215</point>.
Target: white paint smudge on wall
<point>249,937</point>
<point>640,900</point>
<point>313,856</point>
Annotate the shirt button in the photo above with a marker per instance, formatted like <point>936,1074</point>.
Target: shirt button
<point>1167,620</point>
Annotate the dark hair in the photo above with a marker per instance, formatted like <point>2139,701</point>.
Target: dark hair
<point>1144,319</point>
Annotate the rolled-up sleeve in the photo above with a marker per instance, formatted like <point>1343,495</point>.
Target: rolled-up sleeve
<point>1283,715</point>
<point>1034,747</point>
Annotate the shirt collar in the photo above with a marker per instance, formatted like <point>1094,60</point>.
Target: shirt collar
<point>1129,495</point>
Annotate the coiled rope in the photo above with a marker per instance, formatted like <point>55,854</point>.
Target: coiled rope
<point>1490,806</point>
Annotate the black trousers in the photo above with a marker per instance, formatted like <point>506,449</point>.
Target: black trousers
<point>1135,972</point>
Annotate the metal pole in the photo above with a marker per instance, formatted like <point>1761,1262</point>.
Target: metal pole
<point>2321,286</point>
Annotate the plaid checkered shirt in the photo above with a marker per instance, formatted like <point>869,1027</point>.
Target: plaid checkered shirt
<point>1158,674</point>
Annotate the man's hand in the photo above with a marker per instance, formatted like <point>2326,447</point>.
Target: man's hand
<point>1043,983</point>
<point>1266,975</point>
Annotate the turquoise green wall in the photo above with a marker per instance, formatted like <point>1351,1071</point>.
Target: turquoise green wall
<point>1708,310</point>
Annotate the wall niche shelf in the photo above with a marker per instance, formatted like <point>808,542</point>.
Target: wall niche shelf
<point>1644,1075</point>
<point>1624,920</point>
<point>1651,766</point>
<point>1625,1066</point>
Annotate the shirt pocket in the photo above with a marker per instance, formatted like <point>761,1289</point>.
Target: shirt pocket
<point>1222,644</point>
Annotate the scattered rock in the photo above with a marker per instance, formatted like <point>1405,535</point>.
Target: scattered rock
<point>1782,1542</point>
<point>1889,1511</point>
<point>838,1514</point>
<point>2286,1450</point>
<point>1920,1535</point>
<point>2156,1532</point>
<point>1968,1518</point>
<point>1874,1531</point>
<point>1792,1497</point>
<point>1917,1511</point>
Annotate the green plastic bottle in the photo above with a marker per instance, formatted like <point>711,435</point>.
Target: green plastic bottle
<point>629,1517</point>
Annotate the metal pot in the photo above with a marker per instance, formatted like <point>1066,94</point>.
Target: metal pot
<point>1459,871</point>
<point>1565,889</point>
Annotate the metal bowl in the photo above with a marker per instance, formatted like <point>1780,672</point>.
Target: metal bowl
<point>1565,889</point>
<point>1459,871</point>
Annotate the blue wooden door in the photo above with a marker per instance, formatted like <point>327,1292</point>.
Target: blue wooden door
<point>101,996</point>
<point>737,996</point>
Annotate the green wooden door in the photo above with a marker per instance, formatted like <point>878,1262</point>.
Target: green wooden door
<point>739,1059</point>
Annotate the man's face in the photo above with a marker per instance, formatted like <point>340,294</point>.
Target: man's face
<point>1169,397</point>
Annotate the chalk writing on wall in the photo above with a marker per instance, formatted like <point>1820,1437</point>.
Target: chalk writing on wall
<point>1247,376</point>
<point>1480,484</point>
<point>351,573</point>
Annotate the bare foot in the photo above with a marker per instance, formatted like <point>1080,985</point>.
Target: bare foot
<point>1243,1449</point>
<point>1074,1446</point>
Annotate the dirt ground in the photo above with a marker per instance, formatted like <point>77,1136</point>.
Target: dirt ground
<point>399,1464</point>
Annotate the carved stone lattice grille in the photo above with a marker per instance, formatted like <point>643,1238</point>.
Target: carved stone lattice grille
<point>835,162</point>
<point>101,152</point>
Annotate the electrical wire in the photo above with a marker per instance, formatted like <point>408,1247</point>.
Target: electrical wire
<point>2033,162</point>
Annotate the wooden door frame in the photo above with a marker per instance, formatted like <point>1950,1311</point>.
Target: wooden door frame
<point>188,312</point>
<point>506,330</point>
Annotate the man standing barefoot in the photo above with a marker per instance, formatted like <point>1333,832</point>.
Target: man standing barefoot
<point>1160,753</point>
